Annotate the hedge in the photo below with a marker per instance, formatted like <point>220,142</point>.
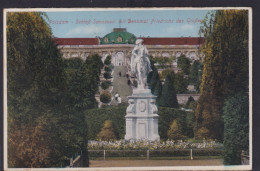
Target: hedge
<point>96,117</point>
<point>105,84</point>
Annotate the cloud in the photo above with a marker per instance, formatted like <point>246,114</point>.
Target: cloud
<point>86,31</point>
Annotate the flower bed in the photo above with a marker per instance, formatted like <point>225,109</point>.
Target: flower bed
<point>152,145</point>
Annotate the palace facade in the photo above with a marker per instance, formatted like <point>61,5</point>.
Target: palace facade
<point>119,44</point>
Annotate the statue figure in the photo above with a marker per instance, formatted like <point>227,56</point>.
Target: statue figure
<point>140,64</point>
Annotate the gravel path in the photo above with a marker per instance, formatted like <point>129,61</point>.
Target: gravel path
<point>147,163</point>
<point>120,84</point>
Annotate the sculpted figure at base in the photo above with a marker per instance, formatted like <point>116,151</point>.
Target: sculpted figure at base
<point>140,63</point>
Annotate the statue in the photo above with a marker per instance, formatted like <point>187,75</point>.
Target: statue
<point>140,64</point>
<point>142,112</point>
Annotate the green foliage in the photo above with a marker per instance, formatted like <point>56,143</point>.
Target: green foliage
<point>190,103</point>
<point>150,75</point>
<point>105,84</point>
<point>225,67</point>
<point>96,117</point>
<point>236,128</point>
<point>195,74</point>
<point>167,116</point>
<point>105,97</point>
<point>154,80</point>
<point>180,83</point>
<point>163,61</point>
<point>166,72</point>
<point>158,89</point>
<point>81,85</point>
<point>202,133</point>
<point>107,60</point>
<point>184,64</point>
<point>189,125</point>
<point>107,75</point>
<point>35,82</point>
<point>107,132</point>
<point>45,91</point>
<point>107,69</point>
<point>168,97</point>
<point>174,133</point>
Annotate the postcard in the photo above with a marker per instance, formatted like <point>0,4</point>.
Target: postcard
<point>128,89</point>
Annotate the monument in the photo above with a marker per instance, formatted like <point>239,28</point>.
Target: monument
<point>141,113</point>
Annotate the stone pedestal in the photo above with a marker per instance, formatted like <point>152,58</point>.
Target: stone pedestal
<point>141,116</point>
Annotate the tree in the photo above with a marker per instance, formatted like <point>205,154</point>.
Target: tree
<point>168,97</point>
<point>155,79</point>
<point>166,72</point>
<point>180,83</point>
<point>150,75</point>
<point>107,60</point>
<point>225,67</point>
<point>174,133</point>
<point>35,79</point>
<point>184,64</point>
<point>190,101</point>
<point>106,84</point>
<point>236,128</point>
<point>105,97</point>
<point>195,74</point>
<point>107,132</point>
<point>107,75</point>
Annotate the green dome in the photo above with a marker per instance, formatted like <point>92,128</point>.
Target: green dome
<point>118,36</point>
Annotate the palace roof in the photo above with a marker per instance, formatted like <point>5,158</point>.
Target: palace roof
<point>147,41</point>
<point>173,41</point>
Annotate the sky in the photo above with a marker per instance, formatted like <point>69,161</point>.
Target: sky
<point>144,23</point>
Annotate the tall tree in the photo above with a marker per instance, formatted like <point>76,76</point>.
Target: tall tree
<point>225,67</point>
<point>236,124</point>
<point>155,79</point>
<point>168,97</point>
<point>184,64</point>
<point>180,83</point>
<point>196,74</point>
<point>35,82</point>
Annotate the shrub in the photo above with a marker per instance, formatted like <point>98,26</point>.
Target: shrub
<point>168,97</point>
<point>107,132</point>
<point>202,133</point>
<point>107,75</point>
<point>96,117</point>
<point>105,97</point>
<point>105,84</point>
<point>174,133</point>
<point>167,116</point>
<point>107,69</point>
<point>107,60</point>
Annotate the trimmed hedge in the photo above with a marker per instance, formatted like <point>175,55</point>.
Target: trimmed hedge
<point>105,84</point>
<point>96,117</point>
<point>105,97</point>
